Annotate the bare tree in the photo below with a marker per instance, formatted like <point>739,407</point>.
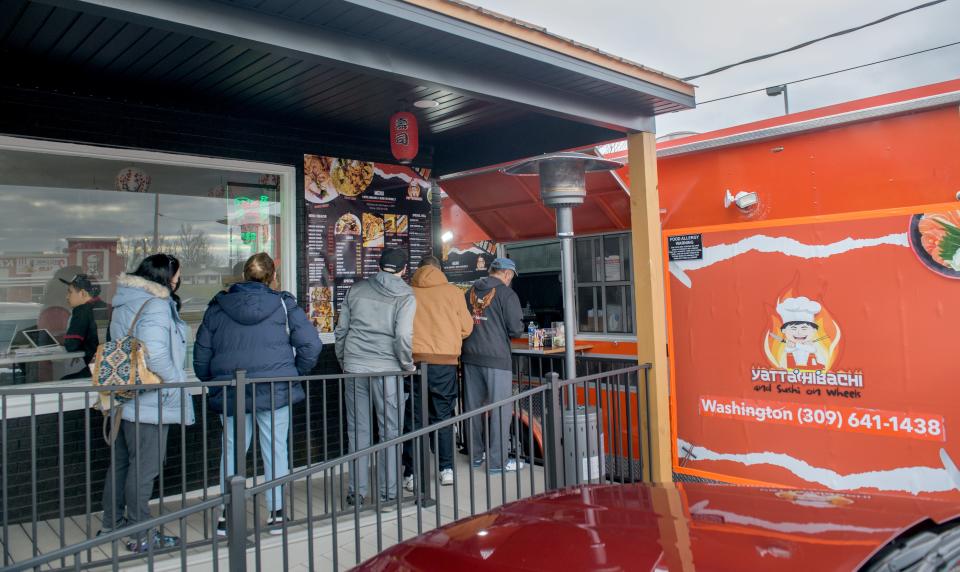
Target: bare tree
<point>193,248</point>
<point>133,249</point>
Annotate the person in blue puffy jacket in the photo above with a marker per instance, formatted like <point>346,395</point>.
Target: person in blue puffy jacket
<point>141,444</point>
<point>254,328</point>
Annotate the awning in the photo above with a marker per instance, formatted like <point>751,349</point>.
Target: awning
<point>509,209</point>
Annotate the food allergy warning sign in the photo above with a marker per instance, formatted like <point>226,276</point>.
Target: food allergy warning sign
<point>685,247</point>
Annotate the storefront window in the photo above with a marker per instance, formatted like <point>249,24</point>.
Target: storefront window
<point>604,284</point>
<point>68,215</point>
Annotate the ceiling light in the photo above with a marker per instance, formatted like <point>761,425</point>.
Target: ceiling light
<point>426,104</point>
<point>447,236</point>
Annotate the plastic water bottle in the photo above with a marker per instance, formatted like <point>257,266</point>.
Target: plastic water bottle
<point>531,333</point>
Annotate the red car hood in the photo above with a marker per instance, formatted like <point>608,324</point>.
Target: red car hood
<point>668,527</point>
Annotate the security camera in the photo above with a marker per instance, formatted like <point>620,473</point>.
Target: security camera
<point>744,201</point>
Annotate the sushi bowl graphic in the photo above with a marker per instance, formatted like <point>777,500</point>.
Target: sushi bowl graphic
<point>935,238</point>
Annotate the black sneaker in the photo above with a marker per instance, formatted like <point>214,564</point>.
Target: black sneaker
<point>275,522</point>
<point>222,527</point>
<point>355,500</point>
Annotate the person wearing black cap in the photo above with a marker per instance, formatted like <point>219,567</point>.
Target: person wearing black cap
<point>83,296</point>
<point>374,334</point>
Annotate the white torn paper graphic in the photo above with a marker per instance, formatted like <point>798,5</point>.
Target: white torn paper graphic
<point>913,480</point>
<point>780,245</point>
<point>786,527</point>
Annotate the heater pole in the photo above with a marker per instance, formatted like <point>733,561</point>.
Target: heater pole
<point>563,186</point>
<point>565,233</point>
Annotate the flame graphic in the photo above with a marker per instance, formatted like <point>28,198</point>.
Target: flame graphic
<point>829,340</point>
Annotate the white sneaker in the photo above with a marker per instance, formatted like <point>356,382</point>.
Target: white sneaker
<point>408,483</point>
<point>446,477</point>
<point>512,465</point>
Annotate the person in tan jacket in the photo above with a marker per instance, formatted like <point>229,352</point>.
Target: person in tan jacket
<point>440,325</point>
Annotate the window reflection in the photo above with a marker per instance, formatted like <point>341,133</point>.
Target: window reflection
<point>64,216</point>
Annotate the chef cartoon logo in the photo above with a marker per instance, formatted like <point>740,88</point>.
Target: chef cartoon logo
<point>803,335</point>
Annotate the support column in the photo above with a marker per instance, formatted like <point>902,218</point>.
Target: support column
<point>436,220</point>
<point>649,303</point>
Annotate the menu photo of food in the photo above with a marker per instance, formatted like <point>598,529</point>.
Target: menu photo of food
<point>349,223</point>
<point>351,177</point>
<point>396,223</point>
<point>317,183</point>
<point>403,224</point>
<point>373,230</point>
<point>935,238</point>
<point>321,308</point>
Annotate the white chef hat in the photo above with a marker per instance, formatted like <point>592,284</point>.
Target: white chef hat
<point>800,309</point>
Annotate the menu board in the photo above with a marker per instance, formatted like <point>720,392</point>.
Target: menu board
<point>468,263</point>
<point>355,209</point>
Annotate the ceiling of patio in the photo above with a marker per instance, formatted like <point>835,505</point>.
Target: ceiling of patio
<point>337,66</point>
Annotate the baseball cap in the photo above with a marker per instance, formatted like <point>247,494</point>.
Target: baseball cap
<point>82,282</point>
<point>504,264</point>
<point>393,260</point>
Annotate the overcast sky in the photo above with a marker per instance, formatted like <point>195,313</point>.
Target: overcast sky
<point>686,37</point>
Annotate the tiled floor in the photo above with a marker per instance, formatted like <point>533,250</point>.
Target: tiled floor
<point>328,545</point>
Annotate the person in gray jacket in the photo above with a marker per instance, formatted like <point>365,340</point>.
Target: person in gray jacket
<point>141,444</point>
<point>487,361</point>
<point>374,334</point>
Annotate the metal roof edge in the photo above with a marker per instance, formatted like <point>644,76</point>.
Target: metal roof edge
<point>855,116</point>
<point>419,12</point>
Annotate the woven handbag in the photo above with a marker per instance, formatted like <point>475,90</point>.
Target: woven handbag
<point>120,362</point>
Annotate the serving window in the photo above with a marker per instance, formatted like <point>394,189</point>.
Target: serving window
<point>67,214</point>
<point>604,284</point>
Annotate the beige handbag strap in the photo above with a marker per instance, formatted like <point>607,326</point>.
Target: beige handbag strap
<point>133,324</point>
<point>111,425</point>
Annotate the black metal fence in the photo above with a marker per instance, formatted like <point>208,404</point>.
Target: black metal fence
<point>587,429</point>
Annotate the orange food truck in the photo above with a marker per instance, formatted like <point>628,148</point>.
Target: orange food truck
<point>812,269</point>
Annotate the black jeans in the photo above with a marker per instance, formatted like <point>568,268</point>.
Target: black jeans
<point>442,402</point>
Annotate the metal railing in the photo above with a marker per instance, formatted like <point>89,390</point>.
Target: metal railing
<point>562,432</point>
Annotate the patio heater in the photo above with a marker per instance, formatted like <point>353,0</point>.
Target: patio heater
<point>563,186</point>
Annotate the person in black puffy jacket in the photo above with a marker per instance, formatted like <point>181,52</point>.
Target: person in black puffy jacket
<point>254,328</point>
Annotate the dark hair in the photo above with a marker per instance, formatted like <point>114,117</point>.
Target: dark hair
<point>430,261</point>
<point>260,268</point>
<point>797,323</point>
<point>160,268</point>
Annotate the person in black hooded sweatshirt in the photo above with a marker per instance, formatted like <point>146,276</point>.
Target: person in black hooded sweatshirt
<point>487,362</point>
<point>257,329</point>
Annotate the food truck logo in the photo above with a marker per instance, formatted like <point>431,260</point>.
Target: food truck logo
<point>804,336</point>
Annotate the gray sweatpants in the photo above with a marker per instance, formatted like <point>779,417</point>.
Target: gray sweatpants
<point>137,460</point>
<point>483,386</point>
<point>385,393</point>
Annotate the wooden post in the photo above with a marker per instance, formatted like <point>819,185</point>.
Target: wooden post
<point>649,301</point>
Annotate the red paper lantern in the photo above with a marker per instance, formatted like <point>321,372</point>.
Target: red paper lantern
<point>404,136</point>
